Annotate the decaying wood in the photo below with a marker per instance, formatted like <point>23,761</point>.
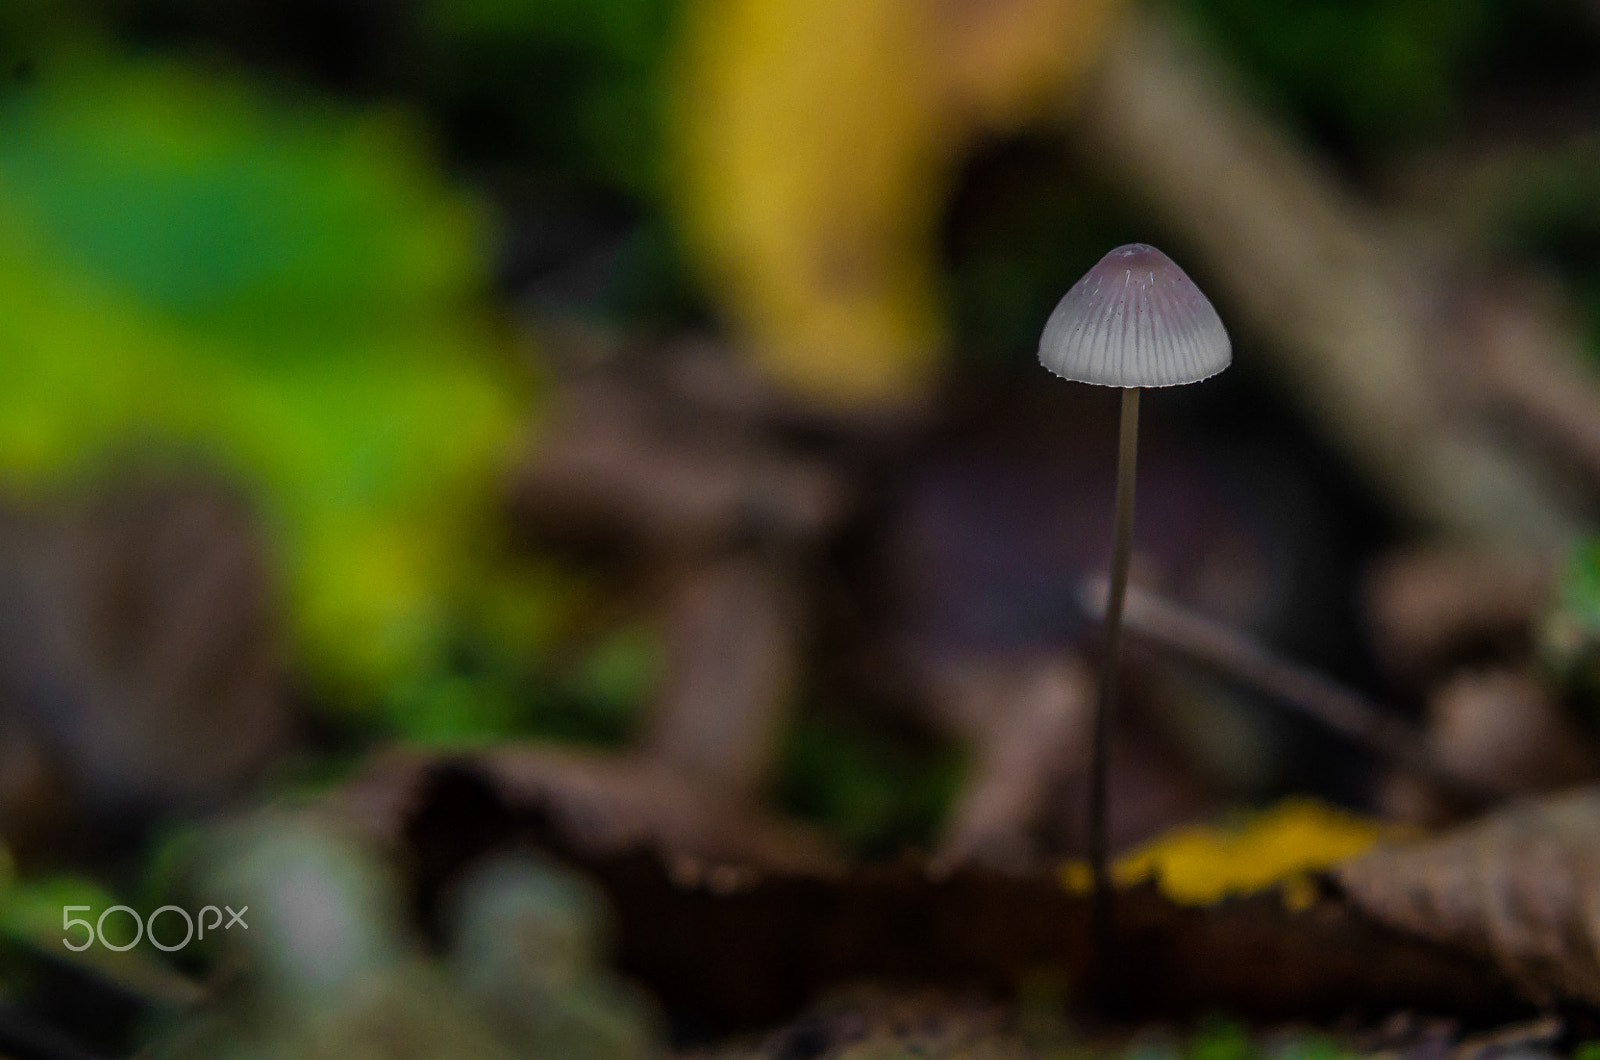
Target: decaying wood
<point>864,1020</point>
<point>1521,887</point>
<point>1355,317</point>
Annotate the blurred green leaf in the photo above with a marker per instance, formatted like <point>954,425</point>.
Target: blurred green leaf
<point>483,694</point>
<point>281,289</point>
<point>878,791</point>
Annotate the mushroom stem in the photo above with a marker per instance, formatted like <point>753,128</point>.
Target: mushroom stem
<point>1121,553</point>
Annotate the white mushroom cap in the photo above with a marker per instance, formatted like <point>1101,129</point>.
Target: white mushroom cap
<point>1135,319</point>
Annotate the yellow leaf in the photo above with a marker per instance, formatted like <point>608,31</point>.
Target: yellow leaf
<point>1202,864</point>
<point>814,143</point>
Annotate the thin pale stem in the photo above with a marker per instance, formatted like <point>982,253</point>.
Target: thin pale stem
<point>1121,553</point>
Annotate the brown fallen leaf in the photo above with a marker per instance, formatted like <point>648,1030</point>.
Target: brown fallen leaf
<point>1503,729</point>
<point>601,805</point>
<point>1426,606</point>
<point>1521,886</point>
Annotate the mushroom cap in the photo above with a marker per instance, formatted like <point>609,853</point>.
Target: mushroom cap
<point>1135,319</point>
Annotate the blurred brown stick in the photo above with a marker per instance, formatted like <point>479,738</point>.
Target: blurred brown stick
<point>1042,735</point>
<point>1212,644</point>
<point>1351,312</point>
<point>734,640</point>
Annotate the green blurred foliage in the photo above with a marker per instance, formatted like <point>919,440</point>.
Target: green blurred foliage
<point>491,688</point>
<point>1545,205</point>
<point>194,270</point>
<point>874,790</point>
<point>1569,638</point>
<point>1307,1045</point>
<point>568,84</point>
<point>30,912</point>
<point>32,922</point>
<point>1375,71</point>
<point>1218,1038</point>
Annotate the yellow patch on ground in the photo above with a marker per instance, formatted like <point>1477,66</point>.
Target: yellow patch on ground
<point>1202,864</point>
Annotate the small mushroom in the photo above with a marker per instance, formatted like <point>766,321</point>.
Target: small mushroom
<point>1132,321</point>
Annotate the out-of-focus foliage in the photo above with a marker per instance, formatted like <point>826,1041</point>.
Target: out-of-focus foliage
<point>572,84</point>
<point>1373,69</point>
<point>191,267</point>
<point>32,917</point>
<point>334,970</point>
<point>871,790</point>
<point>566,89</point>
<point>1374,75</point>
<point>1570,635</point>
<point>1026,222</point>
<point>529,948</point>
<point>1543,204</point>
<point>1220,1039</point>
<point>813,148</point>
<point>1201,865</point>
<point>490,686</point>
<point>1217,1037</point>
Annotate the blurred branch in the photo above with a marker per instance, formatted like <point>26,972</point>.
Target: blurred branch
<point>1350,310</point>
<point>623,458</point>
<point>1152,618</point>
<point>734,639</point>
<point>1534,368</point>
<point>1040,734</point>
